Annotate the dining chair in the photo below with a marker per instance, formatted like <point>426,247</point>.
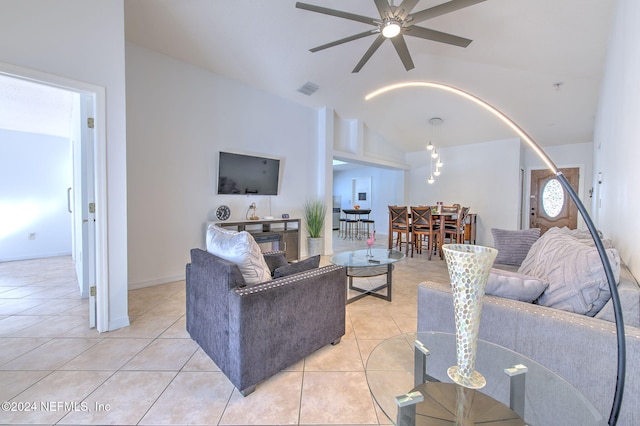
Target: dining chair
<point>424,229</point>
<point>455,231</point>
<point>400,226</point>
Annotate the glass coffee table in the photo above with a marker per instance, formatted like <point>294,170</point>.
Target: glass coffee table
<point>407,377</point>
<point>369,263</point>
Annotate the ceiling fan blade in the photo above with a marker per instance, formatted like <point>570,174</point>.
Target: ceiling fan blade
<point>338,13</point>
<point>405,8</point>
<point>441,9</point>
<point>383,8</point>
<point>367,55</point>
<point>438,36</point>
<point>343,40</point>
<point>403,52</point>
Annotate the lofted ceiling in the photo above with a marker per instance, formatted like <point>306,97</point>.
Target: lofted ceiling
<point>539,61</point>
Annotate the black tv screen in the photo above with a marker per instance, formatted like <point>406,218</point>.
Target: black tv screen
<point>246,174</point>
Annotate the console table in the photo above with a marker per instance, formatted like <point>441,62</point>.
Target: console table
<point>283,234</point>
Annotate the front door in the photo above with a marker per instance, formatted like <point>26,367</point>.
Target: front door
<point>550,203</point>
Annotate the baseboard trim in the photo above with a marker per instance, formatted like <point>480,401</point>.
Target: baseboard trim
<point>157,281</point>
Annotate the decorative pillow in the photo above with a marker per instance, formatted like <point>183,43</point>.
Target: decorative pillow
<point>275,260</point>
<point>513,246</point>
<point>512,285</point>
<point>573,268</point>
<point>241,249</point>
<point>293,268</point>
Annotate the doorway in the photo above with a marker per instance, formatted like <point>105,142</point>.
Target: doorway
<point>87,245</point>
<point>550,203</point>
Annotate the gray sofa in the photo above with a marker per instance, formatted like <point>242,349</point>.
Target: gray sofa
<point>254,331</point>
<point>580,348</point>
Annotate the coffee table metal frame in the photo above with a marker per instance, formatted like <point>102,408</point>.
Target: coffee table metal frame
<point>369,263</point>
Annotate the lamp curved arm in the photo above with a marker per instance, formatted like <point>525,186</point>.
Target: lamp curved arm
<point>615,298</point>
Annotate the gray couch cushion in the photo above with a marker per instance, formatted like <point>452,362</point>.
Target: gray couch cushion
<point>629,292</point>
<point>572,267</point>
<point>513,246</point>
<point>293,268</point>
<point>513,285</point>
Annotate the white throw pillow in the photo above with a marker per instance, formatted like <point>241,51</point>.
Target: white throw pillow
<point>572,266</point>
<point>512,285</point>
<point>239,248</point>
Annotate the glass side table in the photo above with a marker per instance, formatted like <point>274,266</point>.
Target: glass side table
<point>407,376</point>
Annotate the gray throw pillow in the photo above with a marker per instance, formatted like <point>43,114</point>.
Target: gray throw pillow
<point>293,268</point>
<point>513,246</point>
<point>512,285</point>
<point>275,260</point>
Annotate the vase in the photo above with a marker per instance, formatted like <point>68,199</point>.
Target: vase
<point>315,246</point>
<point>469,266</point>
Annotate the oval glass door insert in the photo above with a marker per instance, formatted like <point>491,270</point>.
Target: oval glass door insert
<point>552,198</point>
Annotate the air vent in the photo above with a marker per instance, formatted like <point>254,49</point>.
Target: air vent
<point>308,88</point>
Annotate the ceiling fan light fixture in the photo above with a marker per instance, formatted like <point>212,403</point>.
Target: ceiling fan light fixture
<point>391,27</point>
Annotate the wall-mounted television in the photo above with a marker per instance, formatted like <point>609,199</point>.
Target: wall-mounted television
<point>247,174</point>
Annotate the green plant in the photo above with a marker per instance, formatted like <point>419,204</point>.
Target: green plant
<point>314,214</point>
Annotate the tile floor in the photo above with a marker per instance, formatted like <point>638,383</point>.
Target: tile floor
<point>55,370</point>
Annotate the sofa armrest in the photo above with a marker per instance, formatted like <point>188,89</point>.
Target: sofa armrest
<point>579,348</point>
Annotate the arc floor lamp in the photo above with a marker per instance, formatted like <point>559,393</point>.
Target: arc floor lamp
<point>615,298</point>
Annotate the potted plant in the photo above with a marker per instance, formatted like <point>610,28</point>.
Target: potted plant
<point>315,212</point>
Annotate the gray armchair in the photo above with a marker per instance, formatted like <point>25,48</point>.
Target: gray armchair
<point>253,332</point>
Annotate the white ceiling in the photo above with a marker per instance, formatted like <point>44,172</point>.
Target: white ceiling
<point>521,49</point>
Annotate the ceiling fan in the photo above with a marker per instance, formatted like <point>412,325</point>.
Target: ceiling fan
<point>394,24</point>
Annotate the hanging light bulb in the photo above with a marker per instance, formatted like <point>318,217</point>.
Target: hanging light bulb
<point>431,179</point>
<point>434,154</point>
<point>437,172</point>
<point>430,146</point>
<point>439,163</point>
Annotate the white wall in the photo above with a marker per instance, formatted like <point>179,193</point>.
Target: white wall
<point>617,136</point>
<point>483,176</point>
<point>35,172</point>
<point>179,117</point>
<point>82,41</point>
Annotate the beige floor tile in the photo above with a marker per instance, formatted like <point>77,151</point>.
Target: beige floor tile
<point>177,331</point>
<point>336,398</point>
<point>200,361</point>
<point>15,382</point>
<point>18,306</point>
<point>345,356</point>
<point>276,401</point>
<point>191,398</point>
<point>51,355</point>
<point>373,328</point>
<point>57,306</point>
<point>15,323</point>
<point>53,327</point>
<point>123,399</point>
<point>109,354</point>
<point>13,347</point>
<point>56,395</point>
<point>163,355</point>
<point>145,326</point>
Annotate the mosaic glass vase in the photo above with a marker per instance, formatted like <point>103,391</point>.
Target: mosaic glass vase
<point>469,267</point>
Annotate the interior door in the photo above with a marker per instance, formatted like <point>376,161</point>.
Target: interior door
<point>550,203</point>
<point>84,250</point>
